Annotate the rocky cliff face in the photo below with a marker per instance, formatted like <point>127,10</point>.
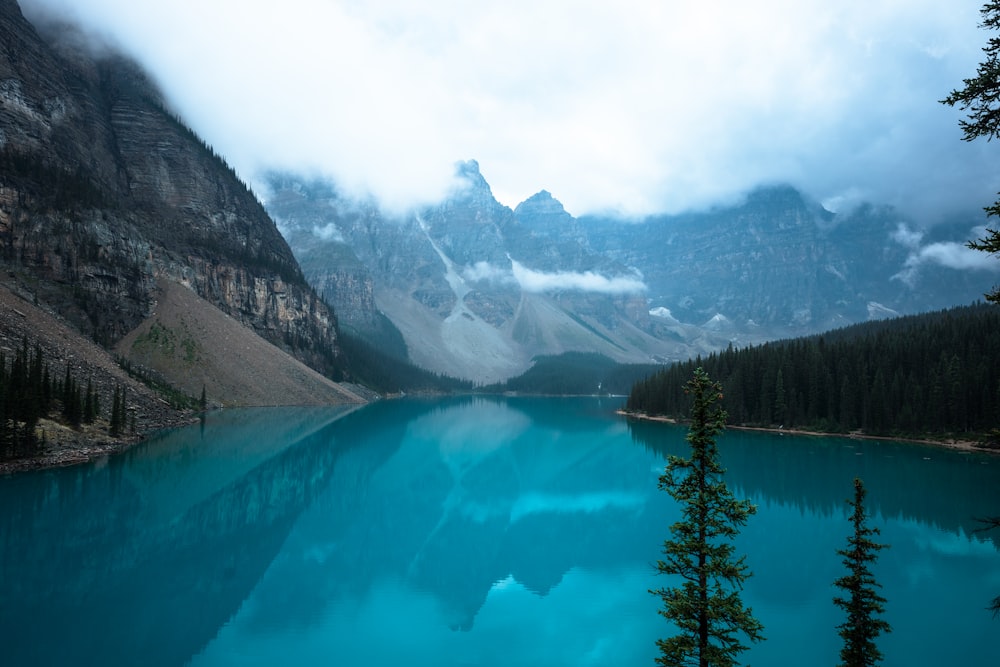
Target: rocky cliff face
<point>474,292</point>
<point>782,265</point>
<point>478,290</point>
<point>103,192</point>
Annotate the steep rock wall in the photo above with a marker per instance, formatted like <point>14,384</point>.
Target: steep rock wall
<point>103,190</point>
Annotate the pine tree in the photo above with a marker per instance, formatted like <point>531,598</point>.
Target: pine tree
<point>89,404</point>
<point>861,601</point>
<point>115,425</point>
<point>706,608</point>
<point>981,98</point>
<point>990,523</point>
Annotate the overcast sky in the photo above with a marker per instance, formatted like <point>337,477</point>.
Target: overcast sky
<point>634,106</point>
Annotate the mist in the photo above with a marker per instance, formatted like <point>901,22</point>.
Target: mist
<point>629,108</point>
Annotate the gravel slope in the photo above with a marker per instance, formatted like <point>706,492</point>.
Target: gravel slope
<point>193,345</point>
<point>61,346</point>
<point>236,367</point>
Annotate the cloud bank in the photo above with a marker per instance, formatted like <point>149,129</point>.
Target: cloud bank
<point>948,254</point>
<point>587,281</point>
<point>486,272</point>
<point>633,106</point>
<point>538,282</point>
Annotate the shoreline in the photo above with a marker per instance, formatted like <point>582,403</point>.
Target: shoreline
<point>952,444</point>
<point>69,447</point>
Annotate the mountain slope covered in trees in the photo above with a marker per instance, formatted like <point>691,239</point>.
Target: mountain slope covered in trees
<point>931,374</point>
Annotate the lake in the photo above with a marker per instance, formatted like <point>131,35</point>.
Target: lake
<point>469,531</point>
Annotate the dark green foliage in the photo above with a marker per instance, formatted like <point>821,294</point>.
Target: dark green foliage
<point>261,259</point>
<point>369,366</point>
<point>990,523</point>
<point>937,373</point>
<point>22,401</point>
<point>576,373</point>
<point>50,187</point>
<point>29,392</point>
<point>117,419</point>
<point>174,397</point>
<point>90,404</point>
<point>706,607</point>
<point>860,601</point>
<point>981,98</point>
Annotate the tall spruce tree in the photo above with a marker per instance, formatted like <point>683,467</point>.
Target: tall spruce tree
<point>115,424</point>
<point>981,98</point>
<point>990,523</point>
<point>705,608</point>
<point>860,601</point>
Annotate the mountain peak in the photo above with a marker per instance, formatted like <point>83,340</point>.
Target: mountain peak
<point>468,169</point>
<point>542,206</point>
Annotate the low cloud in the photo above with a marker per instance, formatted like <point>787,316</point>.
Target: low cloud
<point>957,256</point>
<point>949,254</point>
<point>636,107</point>
<point>906,237</point>
<point>486,272</point>
<point>587,281</point>
<point>328,232</point>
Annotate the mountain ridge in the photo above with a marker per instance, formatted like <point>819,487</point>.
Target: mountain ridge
<point>171,208</point>
<point>106,196</point>
<point>536,280</point>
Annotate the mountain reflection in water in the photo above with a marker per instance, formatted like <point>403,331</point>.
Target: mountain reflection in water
<point>466,531</point>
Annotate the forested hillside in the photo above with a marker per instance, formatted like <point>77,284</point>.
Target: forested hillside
<point>931,374</point>
<point>575,374</point>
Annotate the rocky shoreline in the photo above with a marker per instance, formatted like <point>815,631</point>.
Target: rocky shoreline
<point>959,445</point>
<point>62,348</point>
<point>66,446</point>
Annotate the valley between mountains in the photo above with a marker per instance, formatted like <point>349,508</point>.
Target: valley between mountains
<point>135,259</point>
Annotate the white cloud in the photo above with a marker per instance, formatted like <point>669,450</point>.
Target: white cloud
<point>948,254</point>
<point>486,272</point>
<point>588,281</point>
<point>906,237</point>
<point>957,256</point>
<point>328,232</point>
<point>662,312</point>
<point>634,106</point>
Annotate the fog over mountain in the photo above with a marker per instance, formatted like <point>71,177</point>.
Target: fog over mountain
<point>634,107</point>
<point>478,290</point>
<point>118,219</point>
<point>823,185</point>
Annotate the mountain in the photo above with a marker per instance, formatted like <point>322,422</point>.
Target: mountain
<point>112,210</point>
<point>782,264</point>
<point>477,290</point>
<point>462,283</point>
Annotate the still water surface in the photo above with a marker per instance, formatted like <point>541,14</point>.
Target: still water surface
<point>468,532</point>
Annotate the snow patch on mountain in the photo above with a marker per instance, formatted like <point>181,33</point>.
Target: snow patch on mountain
<point>662,313</point>
<point>718,322</point>
<point>876,311</point>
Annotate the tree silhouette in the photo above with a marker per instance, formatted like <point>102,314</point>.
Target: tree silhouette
<point>706,607</point>
<point>934,374</point>
<point>981,98</point>
<point>990,523</point>
<point>861,601</point>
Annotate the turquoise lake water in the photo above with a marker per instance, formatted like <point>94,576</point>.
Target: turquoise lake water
<point>474,531</point>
